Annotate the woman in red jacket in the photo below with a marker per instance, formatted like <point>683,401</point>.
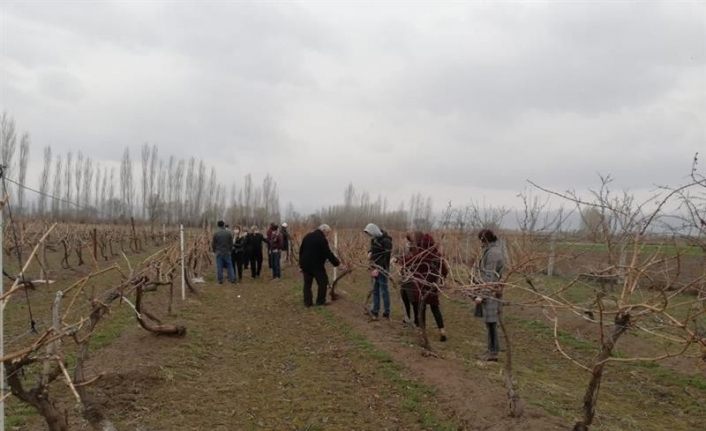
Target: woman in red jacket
<point>431,270</point>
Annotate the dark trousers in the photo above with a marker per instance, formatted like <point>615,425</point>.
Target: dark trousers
<point>275,259</point>
<point>435,310</point>
<point>238,263</point>
<point>405,293</point>
<point>493,342</point>
<point>322,284</point>
<point>255,265</point>
<point>223,261</point>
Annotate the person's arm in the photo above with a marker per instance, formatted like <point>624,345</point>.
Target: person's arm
<point>329,254</point>
<point>213,243</point>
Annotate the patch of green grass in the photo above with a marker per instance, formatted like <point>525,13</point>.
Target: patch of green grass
<point>666,249</point>
<point>414,393</point>
<point>545,332</point>
<point>110,327</point>
<point>19,414</point>
<point>666,376</point>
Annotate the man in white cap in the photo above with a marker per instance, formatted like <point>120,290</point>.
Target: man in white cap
<point>285,240</point>
<point>379,255</point>
<point>313,254</point>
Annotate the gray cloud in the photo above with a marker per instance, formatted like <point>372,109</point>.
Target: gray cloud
<point>457,101</point>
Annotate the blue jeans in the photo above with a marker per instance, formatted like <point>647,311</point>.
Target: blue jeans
<point>224,261</point>
<point>380,286</point>
<point>276,264</point>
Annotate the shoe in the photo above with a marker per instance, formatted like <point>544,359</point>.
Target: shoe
<point>386,316</point>
<point>443,338</point>
<point>374,317</point>
<point>220,282</point>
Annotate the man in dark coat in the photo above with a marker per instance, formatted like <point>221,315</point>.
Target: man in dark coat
<point>254,248</point>
<point>313,254</point>
<point>222,245</point>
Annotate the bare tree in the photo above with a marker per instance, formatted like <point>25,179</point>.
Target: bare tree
<point>248,198</point>
<point>110,208</point>
<point>78,173</point>
<point>178,187</point>
<point>67,183</point>
<point>44,181</point>
<point>24,158</point>
<point>145,153</point>
<point>97,193</point>
<point>199,190</point>
<point>152,175</point>
<point>126,184</point>
<point>57,192</point>
<point>87,181</point>
<point>169,191</point>
<point>189,189</point>
<point>104,190</point>
<point>660,311</point>
<point>8,144</point>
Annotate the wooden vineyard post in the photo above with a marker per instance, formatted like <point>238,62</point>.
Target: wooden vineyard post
<point>95,244</point>
<point>2,321</point>
<point>183,269</point>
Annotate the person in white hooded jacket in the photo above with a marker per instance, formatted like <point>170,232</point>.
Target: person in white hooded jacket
<point>379,255</point>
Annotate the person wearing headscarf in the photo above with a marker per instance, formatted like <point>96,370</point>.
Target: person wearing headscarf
<point>431,269</point>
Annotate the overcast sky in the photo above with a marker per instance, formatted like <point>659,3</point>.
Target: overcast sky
<point>457,101</point>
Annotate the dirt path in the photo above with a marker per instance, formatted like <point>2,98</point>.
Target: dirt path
<point>472,395</point>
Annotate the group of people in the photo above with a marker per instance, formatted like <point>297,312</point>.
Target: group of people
<point>422,269</point>
<point>241,248</point>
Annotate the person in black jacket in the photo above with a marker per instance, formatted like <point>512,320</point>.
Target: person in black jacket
<point>254,242</point>
<point>313,254</point>
<point>238,252</point>
<point>379,255</point>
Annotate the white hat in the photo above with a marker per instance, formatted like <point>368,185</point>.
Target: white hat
<point>284,224</point>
